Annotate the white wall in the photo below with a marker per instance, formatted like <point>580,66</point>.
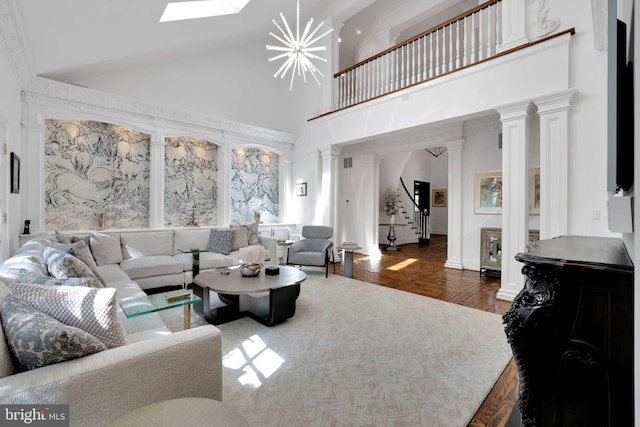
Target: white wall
<point>235,84</point>
<point>10,133</point>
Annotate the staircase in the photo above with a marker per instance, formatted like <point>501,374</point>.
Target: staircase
<point>417,222</point>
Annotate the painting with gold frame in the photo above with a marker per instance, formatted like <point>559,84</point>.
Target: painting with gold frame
<point>439,198</point>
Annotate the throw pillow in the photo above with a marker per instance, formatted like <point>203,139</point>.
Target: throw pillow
<point>220,241</point>
<point>252,233</point>
<point>36,339</point>
<point>63,265</point>
<point>27,276</point>
<point>81,251</point>
<point>240,239</point>
<point>106,249</point>
<point>90,309</point>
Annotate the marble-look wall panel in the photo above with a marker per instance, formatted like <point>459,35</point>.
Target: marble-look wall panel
<point>93,167</point>
<point>255,176</point>
<point>191,182</point>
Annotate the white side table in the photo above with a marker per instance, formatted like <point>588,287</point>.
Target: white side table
<point>285,245</point>
<point>347,259</point>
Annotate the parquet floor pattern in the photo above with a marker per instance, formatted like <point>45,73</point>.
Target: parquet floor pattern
<point>420,269</point>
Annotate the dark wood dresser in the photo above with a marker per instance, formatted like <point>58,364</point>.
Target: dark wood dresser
<point>571,333</point>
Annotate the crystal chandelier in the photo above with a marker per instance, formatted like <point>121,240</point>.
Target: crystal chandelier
<point>297,50</point>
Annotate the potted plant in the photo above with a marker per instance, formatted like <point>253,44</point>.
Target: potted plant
<point>391,206</point>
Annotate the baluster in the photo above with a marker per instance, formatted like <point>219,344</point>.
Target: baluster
<point>451,46</point>
<point>437,52</point>
<point>473,38</point>
<point>465,41</point>
<point>425,67</point>
<point>480,35</point>
<point>402,66</point>
<point>418,60</point>
<point>458,44</point>
<point>498,25</point>
<point>488,33</point>
<point>367,81</point>
<point>442,48</point>
<point>430,55</point>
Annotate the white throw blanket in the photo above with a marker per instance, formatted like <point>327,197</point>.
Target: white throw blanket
<point>254,254</point>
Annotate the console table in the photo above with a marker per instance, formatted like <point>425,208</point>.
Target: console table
<point>571,333</point>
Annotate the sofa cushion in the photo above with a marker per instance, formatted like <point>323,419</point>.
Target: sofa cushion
<point>106,248</point>
<point>30,277</point>
<point>36,339</point>
<point>90,309</point>
<point>147,243</point>
<point>196,238</point>
<point>150,266</point>
<point>253,235</point>
<point>240,237</point>
<point>63,265</point>
<point>81,251</point>
<point>220,241</point>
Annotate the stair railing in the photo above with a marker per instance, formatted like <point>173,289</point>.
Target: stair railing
<point>465,40</point>
<point>421,219</point>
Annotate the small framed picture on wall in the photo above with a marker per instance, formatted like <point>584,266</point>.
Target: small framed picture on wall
<point>301,189</point>
<point>439,198</point>
<point>15,174</point>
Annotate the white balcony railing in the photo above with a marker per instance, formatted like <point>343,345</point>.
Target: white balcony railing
<point>462,41</point>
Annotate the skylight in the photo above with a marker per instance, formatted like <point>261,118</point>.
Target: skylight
<point>201,9</point>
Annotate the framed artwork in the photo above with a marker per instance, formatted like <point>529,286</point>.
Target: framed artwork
<point>534,191</point>
<point>15,174</point>
<point>439,198</point>
<point>301,189</point>
<point>488,192</point>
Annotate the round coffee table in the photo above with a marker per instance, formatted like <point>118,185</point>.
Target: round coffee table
<point>268,299</point>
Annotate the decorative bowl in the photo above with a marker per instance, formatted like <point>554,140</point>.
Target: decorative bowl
<point>250,270</point>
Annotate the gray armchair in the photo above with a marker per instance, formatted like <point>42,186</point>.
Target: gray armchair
<point>315,249</point>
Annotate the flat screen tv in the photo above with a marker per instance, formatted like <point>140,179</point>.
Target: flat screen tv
<point>621,127</point>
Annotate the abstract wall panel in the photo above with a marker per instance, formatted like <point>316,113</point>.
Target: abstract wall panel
<point>92,167</point>
<point>191,182</point>
<point>255,176</point>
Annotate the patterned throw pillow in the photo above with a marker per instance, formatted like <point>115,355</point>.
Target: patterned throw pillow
<point>63,265</point>
<point>252,233</point>
<point>81,251</point>
<point>36,339</point>
<point>90,309</point>
<point>240,239</point>
<point>220,241</point>
<point>27,276</point>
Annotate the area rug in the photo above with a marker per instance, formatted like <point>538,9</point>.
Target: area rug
<point>357,354</point>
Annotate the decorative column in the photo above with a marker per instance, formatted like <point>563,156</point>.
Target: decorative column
<point>515,183</point>
<point>329,187</point>
<point>224,183</point>
<point>156,181</point>
<point>454,234</point>
<point>514,24</point>
<point>285,185</point>
<point>554,163</point>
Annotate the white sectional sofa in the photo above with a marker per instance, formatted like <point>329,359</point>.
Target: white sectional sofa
<point>154,364</point>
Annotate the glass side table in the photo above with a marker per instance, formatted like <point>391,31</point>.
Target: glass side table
<point>195,253</point>
<point>139,306</point>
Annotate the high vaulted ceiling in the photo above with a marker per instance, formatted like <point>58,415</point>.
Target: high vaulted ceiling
<point>69,39</point>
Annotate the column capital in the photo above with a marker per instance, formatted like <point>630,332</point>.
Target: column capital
<point>555,102</point>
<point>516,111</point>
<point>454,146</point>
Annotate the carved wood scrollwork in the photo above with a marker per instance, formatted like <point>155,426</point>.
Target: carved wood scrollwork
<point>534,302</point>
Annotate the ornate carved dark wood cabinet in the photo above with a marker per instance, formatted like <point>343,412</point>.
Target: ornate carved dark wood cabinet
<point>571,333</point>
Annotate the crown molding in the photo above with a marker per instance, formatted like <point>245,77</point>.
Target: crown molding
<point>44,96</point>
<point>11,40</point>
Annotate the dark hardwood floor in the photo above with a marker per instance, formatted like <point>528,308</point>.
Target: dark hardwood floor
<point>420,270</point>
